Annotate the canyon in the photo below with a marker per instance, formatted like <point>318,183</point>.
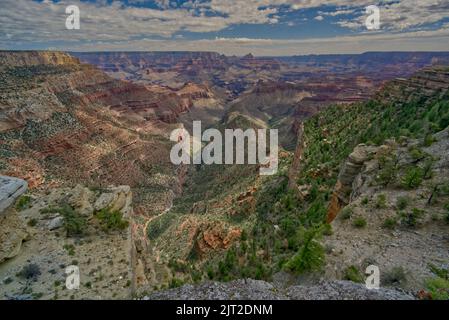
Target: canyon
<point>92,130</point>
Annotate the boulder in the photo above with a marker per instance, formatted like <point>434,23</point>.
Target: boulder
<point>115,199</point>
<point>56,223</point>
<point>13,233</point>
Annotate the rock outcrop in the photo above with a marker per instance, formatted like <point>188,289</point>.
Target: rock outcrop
<point>12,229</point>
<point>248,289</point>
<point>99,244</point>
<point>347,178</point>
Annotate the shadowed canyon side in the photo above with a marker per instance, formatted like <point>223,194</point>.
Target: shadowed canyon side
<point>362,179</point>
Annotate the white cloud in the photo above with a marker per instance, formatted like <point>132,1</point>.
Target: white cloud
<point>29,22</point>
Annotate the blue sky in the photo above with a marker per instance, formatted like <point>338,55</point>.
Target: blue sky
<point>263,27</point>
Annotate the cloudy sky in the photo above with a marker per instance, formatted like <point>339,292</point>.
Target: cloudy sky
<point>263,27</point>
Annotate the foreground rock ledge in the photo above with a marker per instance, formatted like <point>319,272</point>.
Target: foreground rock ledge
<point>260,290</point>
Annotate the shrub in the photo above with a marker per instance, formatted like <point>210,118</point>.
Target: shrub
<point>175,283</point>
<point>359,222</point>
<point>388,172</point>
<point>111,220</point>
<point>416,153</point>
<point>412,218</point>
<point>381,201</point>
<point>365,201</point>
<point>389,223</point>
<point>413,178</point>
<point>402,203</point>
<point>30,272</point>
<point>427,169</point>
<point>70,248</point>
<point>429,139</point>
<point>442,273</point>
<point>310,256</point>
<point>395,277</point>
<point>23,203</point>
<point>74,223</point>
<point>159,225</point>
<point>353,274</point>
<point>346,213</point>
<point>438,288</point>
<point>327,229</point>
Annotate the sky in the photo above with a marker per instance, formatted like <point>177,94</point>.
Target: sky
<point>231,27</point>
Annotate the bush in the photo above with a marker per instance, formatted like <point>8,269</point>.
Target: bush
<point>30,272</point>
<point>23,203</point>
<point>413,178</point>
<point>438,288</point>
<point>389,223</point>
<point>395,277</point>
<point>416,153</point>
<point>310,256</point>
<point>111,220</point>
<point>359,222</point>
<point>353,274</point>
<point>74,223</point>
<point>388,172</point>
<point>159,225</point>
<point>346,213</point>
<point>429,139</point>
<point>381,201</point>
<point>402,203</point>
<point>413,217</point>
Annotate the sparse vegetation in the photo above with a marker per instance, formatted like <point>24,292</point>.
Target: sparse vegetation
<point>30,272</point>
<point>359,222</point>
<point>397,276</point>
<point>352,273</point>
<point>402,203</point>
<point>74,223</point>
<point>412,218</point>
<point>111,220</point>
<point>381,202</point>
<point>438,288</point>
<point>70,248</point>
<point>23,203</point>
<point>389,223</point>
<point>413,178</point>
<point>346,213</point>
<point>365,201</point>
<point>310,256</point>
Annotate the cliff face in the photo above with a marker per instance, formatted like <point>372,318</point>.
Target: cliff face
<point>62,122</point>
<point>35,58</point>
<point>429,82</point>
<point>404,231</point>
